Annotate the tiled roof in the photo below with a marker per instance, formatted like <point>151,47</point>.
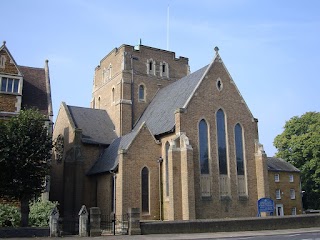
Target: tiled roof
<point>34,93</point>
<point>159,115</point>
<point>96,125</point>
<point>278,164</point>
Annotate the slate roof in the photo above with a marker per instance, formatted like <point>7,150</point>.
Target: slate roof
<point>159,118</point>
<point>278,164</point>
<point>108,161</point>
<point>96,125</point>
<point>159,115</point>
<point>34,92</point>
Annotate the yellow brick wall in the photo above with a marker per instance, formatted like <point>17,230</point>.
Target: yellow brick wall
<point>8,102</point>
<point>285,185</point>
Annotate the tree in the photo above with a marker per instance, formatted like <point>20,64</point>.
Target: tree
<point>25,153</point>
<point>299,144</point>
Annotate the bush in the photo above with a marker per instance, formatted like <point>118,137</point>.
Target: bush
<point>40,212</point>
<point>9,216</point>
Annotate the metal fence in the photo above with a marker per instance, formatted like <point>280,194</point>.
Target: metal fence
<point>114,224</point>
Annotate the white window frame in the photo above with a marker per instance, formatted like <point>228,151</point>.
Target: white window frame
<point>292,194</point>
<point>294,211</point>
<point>291,179</point>
<point>12,87</point>
<point>278,194</point>
<point>277,177</point>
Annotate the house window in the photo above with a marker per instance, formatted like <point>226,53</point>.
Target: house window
<point>277,177</point>
<point>203,147</point>
<point>291,178</point>
<point>9,85</point>
<point>239,149</point>
<point>292,193</point>
<point>222,146</point>
<point>167,168</point>
<point>278,194</point>
<point>141,93</point>
<point>145,189</point>
<point>294,211</point>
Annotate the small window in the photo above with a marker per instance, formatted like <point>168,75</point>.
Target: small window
<point>150,67</point>
<point>113,95</point>
<point>219,84</point>
<point>278,194</point>
<point>141,93</point>
<point>291,178</point>
<point>294,211</point>
<point>10,85</point>
<point>292,193</point>
<point>145,189</point>
<point>277,177</point>
<point>163,68</point>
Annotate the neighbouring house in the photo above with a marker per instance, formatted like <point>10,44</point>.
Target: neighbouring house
<point>23,87</point>
<point>284,187</point>
<point>177,145</point>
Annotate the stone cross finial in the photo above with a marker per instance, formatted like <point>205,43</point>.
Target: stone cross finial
<point>216,49</point>
<point>4,42</point>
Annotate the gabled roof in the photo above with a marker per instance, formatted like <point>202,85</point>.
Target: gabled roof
<point>96,125</point>
<point>159,115</point>
<point>34,92</point>
<point>4,48</point>
<point>278,164</point>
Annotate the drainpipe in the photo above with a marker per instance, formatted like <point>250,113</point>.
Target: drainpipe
<point>160,160</point>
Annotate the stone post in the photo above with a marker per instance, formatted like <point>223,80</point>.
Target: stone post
<point>83,221</point>
<point>134,221</point>
<point>53,222</point>
<point>95,220</point>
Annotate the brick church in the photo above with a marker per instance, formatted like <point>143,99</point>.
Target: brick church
<point>177,145</point>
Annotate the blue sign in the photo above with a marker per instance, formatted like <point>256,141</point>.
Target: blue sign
<point>265,205</point>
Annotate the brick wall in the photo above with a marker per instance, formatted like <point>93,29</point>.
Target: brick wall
<point>284,185</point>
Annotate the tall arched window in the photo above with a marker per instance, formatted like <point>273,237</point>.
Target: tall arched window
<point>222,145</point>
<point>239,149</point>
<point>141,92</point>
<point>167,168</point>
<point>145,189</point>
<point>203,147</point>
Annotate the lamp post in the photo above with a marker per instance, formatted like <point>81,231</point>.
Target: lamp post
<point>160,160</point>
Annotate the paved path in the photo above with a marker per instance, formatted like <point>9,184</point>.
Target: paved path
<point>218,235</point>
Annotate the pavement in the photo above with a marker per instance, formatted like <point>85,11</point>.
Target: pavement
<point>216,235</point>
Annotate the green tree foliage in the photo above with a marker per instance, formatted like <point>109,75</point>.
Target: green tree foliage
<point>9,216</point>
<point>299,144</point>
<point>40,212</point>
<point>25,153</point>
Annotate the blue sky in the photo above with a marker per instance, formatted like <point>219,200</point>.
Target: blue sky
<point>271,48</point>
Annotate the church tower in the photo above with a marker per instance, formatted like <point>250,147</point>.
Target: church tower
<point>129,77</point>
